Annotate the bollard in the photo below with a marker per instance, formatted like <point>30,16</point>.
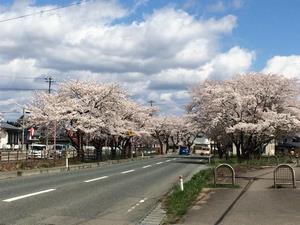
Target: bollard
<point>67,161</point>
<point>181,182</point>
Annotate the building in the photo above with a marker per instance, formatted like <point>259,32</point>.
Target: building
<point>269,149</point>
<point>288,144</point>
<point>10,136</point>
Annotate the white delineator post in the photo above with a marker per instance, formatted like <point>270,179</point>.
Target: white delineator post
<point>181,182</point>
<point>67,160</point>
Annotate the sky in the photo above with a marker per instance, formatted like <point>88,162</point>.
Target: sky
<point>155,49</point>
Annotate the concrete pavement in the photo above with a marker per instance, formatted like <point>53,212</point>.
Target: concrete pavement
<point>259,204</point>
<point>119,194</point>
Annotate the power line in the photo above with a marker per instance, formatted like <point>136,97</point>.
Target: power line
<point>22,89</point>
<point>45,11</point>
<point>29,78</point>
<point>12,112</point>
<point>21,77</point>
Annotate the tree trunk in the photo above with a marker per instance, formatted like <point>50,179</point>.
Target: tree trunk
<point>220,151</point>
<point>167,146</point>
<point>80,151</point>
<point>161,147</point>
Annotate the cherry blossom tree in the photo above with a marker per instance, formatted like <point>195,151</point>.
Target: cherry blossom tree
<point>248,110</point>
<point>183,132</point>
<point>161,128</point>
<point>98,112</point>
<point>175,130</point>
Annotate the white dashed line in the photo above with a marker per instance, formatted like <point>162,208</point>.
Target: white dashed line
<point>146,166</point>
<point>28,195</point>
<point>136,205</point>
<point>159,163</point>
<point>98,178</point>
<point>168,160</point>
<point>128,171</point>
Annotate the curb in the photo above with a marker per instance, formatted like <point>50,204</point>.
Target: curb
<point>157,214</point>
<point>19,173</point>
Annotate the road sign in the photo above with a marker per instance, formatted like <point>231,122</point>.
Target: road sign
<point>130,133</point>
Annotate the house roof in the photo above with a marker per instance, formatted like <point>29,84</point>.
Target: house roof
<point>7,126</point>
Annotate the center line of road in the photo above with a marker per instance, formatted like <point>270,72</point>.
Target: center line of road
<point>159,163</point>
<point>28,195</point>
<point>168,160</point>
<point>98,178</point>
<point>147,166</point>
<point>128,171</point>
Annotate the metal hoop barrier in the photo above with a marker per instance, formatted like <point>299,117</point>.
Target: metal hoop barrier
<point>228,167</point>
<point>284,174</point>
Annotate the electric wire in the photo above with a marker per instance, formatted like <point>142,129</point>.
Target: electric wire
<point>44,11</point>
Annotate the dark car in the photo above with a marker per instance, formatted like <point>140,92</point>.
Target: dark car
<point>183,150</point>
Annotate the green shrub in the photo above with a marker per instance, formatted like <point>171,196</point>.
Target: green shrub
<point>179,201</point>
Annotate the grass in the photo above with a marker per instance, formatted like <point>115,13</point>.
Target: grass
<point>178,202</point>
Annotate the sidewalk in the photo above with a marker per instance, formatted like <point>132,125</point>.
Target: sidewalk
<point>260,204</point>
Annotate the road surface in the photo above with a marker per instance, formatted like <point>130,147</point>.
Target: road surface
<point>116,194</point>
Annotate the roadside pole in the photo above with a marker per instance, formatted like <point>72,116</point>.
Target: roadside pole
<point>67,160</point>
<point>181,182</point>
<point>23,130</point>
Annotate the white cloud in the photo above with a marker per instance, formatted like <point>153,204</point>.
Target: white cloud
<point>289,66</point>
<point>236,60</point>
<point>222,66</point>
<point>156,57</point>
<point>222,5</point>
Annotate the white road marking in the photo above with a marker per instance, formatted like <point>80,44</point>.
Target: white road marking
<point>147,166</point>
<point>174,159</point>
<point>128,171</point>
<point>159,163</point>
<point>28,195</point>
<point>98,178</point>
<point>168,160</point>
<point>136,205</point>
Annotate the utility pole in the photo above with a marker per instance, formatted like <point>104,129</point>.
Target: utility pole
<point>151,102</point>
<point>49,80</point>
<point>23,131</point>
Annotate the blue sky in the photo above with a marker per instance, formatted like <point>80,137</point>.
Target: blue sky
<point>156,49</point>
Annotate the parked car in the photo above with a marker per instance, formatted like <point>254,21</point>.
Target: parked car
<point>59,150</point>
<point>37,151</point>
<point>106,150</point>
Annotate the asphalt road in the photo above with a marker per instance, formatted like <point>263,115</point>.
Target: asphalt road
<point>116,194</point>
